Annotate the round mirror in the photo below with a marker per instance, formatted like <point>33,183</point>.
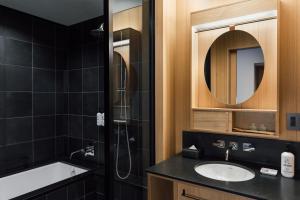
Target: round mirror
<point>234,67</point>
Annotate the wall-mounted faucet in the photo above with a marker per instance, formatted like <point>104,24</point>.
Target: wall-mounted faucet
<point>248,147</point>
<point>219,143</point>
<point>75,152</point>
<point>87,151</point>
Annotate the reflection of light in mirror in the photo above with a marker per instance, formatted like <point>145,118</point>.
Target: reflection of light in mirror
<point>119,5</point>
<point>236,21</point>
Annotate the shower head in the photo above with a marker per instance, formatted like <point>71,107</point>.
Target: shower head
<point>96,32</point>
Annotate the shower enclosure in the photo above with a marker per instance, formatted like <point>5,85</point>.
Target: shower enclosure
<point>130,104</point>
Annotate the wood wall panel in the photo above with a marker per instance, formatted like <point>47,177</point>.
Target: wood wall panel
<point>131,18</point>
<point>165,43</point>
<point>289,56</point>
<point>182,61</point>
<point>288,66</point>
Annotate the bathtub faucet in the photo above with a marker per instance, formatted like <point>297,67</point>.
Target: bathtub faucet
<point>87,151</point>
<point>82,151</point>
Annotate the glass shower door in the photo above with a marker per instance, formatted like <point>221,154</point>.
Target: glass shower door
<point>131,93</point>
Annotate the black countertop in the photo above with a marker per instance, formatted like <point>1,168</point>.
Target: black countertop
<point>261,187</point>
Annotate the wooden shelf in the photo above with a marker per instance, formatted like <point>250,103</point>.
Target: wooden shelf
<point>253,131</point>
<point>235,110</point>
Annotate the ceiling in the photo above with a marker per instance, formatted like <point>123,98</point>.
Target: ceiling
<point>67,12</point>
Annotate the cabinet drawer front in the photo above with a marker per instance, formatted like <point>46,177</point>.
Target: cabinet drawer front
<point>211,120</point>
<point>191,192</point>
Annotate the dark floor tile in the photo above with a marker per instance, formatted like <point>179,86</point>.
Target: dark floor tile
<point>44,127</point>
<point>15,78</point>
<point>43,80</point>
<point>43,57</point>
<point>43,104</point>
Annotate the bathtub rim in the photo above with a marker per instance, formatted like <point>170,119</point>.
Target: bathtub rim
<point>54,186</point>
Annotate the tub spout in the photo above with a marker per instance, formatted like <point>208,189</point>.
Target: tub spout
<point>75,152</point>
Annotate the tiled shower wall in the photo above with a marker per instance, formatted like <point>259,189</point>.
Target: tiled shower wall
<point>86,87</point>
<point>50,89</point>
<point>29,57</point>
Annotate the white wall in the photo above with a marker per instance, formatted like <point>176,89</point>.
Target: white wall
<point>246,58</point>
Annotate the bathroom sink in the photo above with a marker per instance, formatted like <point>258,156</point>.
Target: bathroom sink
<point>224,171</point>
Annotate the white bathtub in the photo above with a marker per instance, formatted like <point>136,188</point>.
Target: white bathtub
<point>24,182</point>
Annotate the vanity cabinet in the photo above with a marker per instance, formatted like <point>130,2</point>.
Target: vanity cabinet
<point>163,188</point>
<point>187,191</point>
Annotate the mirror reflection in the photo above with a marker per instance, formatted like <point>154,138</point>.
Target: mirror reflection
<point>234,67</point>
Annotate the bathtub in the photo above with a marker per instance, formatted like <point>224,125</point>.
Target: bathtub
<point>28,181</point>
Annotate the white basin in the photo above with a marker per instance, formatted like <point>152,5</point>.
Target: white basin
<point>224,172</point>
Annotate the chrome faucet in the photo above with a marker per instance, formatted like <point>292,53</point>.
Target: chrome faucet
<point>227,154</point>
<point>233,146</point>
<point>247,147</point>
<point>75,152</point>
<point>87,151</point>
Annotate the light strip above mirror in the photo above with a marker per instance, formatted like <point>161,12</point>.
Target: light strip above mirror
<point>121,43</point>
<point>261,16</point>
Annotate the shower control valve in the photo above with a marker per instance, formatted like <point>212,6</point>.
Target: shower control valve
<point>100,119</point>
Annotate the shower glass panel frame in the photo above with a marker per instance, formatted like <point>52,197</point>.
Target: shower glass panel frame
<point>116,119</point>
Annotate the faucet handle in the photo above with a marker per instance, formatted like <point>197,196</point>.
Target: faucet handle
<point>248,147</point>
<point>234,146</point>
<point>89,151</point>
<point>219,143</point>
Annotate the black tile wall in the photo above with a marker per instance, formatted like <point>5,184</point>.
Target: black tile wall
<point>28,86</point>
<point>51,87</point>
<point>86,88</point>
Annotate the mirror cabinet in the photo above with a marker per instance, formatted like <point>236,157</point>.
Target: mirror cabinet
<point>234,69</point>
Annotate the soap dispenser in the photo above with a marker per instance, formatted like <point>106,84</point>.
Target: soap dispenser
<point>287,163</point>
